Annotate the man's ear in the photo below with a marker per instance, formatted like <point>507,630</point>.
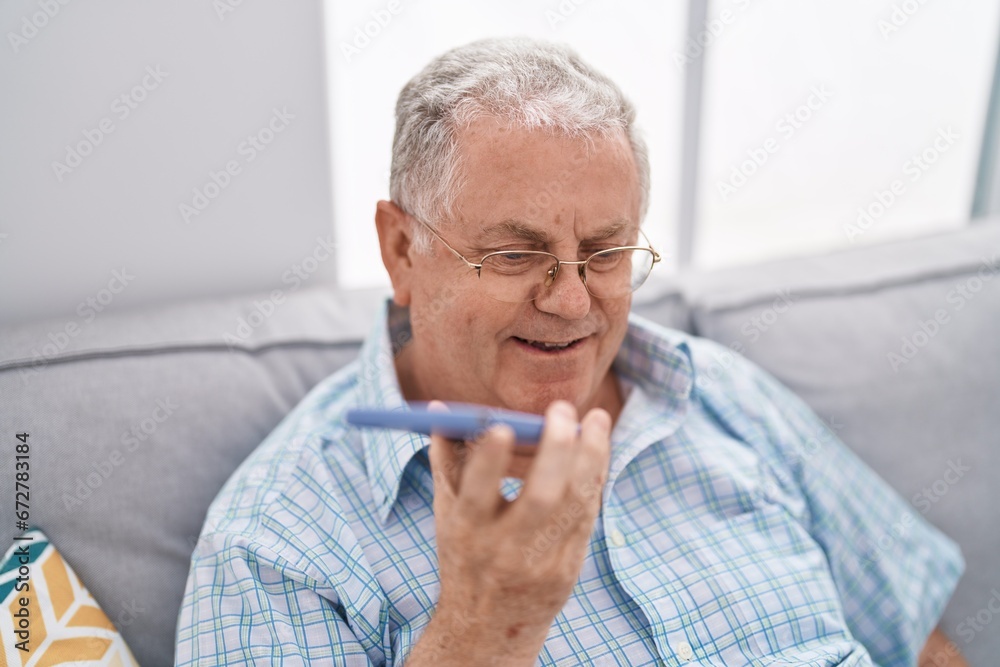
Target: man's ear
<point>394,239</point>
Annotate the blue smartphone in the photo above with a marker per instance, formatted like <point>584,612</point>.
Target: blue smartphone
<point>465,421</point>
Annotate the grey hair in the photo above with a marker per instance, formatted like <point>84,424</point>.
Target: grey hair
<point>530,84</point>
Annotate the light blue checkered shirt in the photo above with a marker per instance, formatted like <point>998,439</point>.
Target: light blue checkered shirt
<point>735,529</point>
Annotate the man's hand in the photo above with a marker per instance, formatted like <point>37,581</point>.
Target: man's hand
<point>499,595</point>
<point>939,651</point>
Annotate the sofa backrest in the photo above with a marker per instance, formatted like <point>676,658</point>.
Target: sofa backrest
<point>139,418</point>
<point>897,348</point>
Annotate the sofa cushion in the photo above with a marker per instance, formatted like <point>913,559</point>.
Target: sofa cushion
<point>662,301</point>
<point>896,347</point>
<point>138,419</point>
<point>59,619</point>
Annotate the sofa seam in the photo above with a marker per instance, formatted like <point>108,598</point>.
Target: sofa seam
<point>116,353</point>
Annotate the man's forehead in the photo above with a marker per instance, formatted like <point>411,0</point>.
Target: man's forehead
<point>542,187</point>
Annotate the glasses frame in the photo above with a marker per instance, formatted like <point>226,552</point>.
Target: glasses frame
<point>554,271</point>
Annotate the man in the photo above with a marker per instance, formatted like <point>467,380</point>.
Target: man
<point>662,519</point>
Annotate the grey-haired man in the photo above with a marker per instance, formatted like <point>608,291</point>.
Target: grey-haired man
<point>661,520</point>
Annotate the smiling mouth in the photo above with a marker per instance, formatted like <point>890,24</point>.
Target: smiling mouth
<point>547,346</point>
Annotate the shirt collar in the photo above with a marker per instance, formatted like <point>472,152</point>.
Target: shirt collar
<point>653,359</point>
<point>387,452</point>
<point>655,364</point>
<point>656,359</point>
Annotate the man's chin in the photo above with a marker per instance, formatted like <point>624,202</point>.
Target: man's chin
<point>537,400</point>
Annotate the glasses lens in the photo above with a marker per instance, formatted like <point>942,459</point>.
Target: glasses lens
<point>616,273</point>
<point>516,276</point>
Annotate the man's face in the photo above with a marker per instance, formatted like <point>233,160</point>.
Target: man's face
<point>528,191</point>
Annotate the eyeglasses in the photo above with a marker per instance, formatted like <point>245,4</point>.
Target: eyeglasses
<point>516,276</point>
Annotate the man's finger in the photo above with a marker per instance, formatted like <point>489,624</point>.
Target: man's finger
<point>445,461</point>
<point>593,457</point>
<point>550,473</point>
<point>479,494</point>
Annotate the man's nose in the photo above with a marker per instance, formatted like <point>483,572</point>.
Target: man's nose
<point>566,296</point>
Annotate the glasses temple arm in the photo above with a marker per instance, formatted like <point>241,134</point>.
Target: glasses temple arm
<point>471,265</point>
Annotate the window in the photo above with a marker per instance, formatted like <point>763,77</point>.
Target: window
<point>831,124</point>
<point>777,128</point>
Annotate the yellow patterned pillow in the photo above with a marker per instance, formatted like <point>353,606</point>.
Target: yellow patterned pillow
<point>48,617</point>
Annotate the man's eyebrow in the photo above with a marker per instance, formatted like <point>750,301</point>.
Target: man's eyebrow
<point>507,228</point>
<point>611,230</point>
<point>524,232</point>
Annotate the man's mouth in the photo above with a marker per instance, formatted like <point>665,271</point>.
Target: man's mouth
<point>549,346</point>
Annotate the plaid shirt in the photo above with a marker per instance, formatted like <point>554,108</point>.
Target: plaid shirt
<point>735,529</point>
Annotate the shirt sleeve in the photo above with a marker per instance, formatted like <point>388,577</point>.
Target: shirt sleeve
<point>244,606</point>
<point>895,572</point>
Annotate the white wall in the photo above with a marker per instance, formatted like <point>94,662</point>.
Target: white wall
<point>63,234</point>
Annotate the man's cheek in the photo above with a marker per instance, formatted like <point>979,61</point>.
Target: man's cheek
<point>446,298</point>
<point>430,308</point>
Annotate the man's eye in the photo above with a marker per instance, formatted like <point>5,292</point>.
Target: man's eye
<point>608,259</point>
<point>513,262</point>
<point>513,258</point>
<point>588,252</point>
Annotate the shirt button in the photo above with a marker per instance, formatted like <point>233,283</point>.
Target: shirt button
<point>684,651</point>
<point>617,538</point>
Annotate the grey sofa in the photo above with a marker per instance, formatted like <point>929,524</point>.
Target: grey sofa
<point>138,419</point>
